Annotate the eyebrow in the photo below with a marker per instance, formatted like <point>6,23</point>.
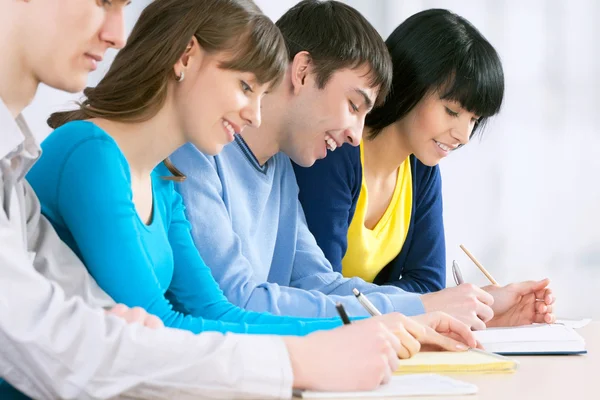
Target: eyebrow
<point>368,101</point>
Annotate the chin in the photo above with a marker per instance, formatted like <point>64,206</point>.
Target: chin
<point>304,162</point>
<point>72,83</point>
<point>428,160</point>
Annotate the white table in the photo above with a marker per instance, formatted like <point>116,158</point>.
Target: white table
<point>542,377</point>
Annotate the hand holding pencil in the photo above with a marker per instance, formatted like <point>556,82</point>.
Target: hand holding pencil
<point>521,303</point>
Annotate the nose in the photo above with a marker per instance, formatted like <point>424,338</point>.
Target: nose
<point>251,113</point>
<point>462,132</point>
<point>113,29</point>
<point>354,135</point>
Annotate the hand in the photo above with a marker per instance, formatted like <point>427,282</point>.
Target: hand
<point>435,330</point>
<point>466,302</point>
<point>136,315</point>
<point>522,303</point>
<point>444,332</point>
<point>355,357</point>
<point>406,330</point>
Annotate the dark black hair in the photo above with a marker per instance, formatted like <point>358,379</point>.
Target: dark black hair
<point>337,37</point>
<point>436,50</point>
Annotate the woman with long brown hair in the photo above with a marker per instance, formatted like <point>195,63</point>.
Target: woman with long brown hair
<point>192,71</point>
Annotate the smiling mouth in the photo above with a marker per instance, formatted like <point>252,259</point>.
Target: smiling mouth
<point>331,143</point>
<point>444,147</point>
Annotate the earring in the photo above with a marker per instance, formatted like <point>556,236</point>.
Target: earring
<point>180,77</point>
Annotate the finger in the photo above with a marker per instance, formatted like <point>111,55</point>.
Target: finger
<point>392,339</point>
<point>153,322</point>
<point>388,368</point>
<point>527,287</point>
<point>393,362</point>
<point>408,342</point>
<point>543,318</point>
<point>418,329</point>
<point>483,296</point>
<point>541,307</point>
<point>460,329</point>
<point>549,297</point>
<point>137,315</point>
<point>417,332</point>
<point>118,310</point>
<point>477,324</point>
<point>545,294</point>
<point>484,312</point>
<point>444,342</point>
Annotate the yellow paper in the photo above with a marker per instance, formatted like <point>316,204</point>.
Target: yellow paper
<point>471,361</point>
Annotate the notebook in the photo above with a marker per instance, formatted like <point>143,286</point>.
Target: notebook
<point>404,385</point>
<point>541,339</point>
<point>470,361</point>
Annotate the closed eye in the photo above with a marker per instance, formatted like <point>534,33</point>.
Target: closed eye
<point>451,113</point>
<point>353,106</point>
<point>246,87</point>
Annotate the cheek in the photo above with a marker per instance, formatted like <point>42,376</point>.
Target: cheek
<point>430,125</point>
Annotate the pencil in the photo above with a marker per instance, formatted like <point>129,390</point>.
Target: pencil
<point>481,268</point>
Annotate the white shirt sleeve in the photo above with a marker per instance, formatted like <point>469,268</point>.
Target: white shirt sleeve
<point>54,345</point>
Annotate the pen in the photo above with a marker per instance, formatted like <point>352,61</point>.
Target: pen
<point>340,309</point>
<point>362,299</point>
<point>457,273</point>
<point>485,272</point>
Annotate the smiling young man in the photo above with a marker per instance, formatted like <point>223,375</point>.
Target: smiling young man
<point>243,204</point>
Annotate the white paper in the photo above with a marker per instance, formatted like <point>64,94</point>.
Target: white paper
<point>531,333</point>
<point>404,385</point>
<point>574,323</point>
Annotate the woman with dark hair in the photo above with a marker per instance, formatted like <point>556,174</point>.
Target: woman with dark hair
<point>376,209</point>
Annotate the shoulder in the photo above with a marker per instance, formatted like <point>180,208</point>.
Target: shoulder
<point>85,138</point>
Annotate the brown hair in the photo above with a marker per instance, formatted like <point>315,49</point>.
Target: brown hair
<point>135,87</point>
<point>337,37</point>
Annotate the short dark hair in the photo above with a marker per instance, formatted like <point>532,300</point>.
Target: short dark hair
<point>337,37</point>
<point>437,50</point>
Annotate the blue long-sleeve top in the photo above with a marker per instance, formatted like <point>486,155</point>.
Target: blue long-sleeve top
<point>249,225</point>
<point>84,185</point>
<point>329,191</point>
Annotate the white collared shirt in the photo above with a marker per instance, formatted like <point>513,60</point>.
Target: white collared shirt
<point>56,341</point>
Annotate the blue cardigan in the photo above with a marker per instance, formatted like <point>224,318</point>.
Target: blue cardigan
<point>329,192</point>
<point>84,184</point>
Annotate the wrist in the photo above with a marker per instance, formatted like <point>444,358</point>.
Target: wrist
<point>297,348</point>
<point>426,299</point>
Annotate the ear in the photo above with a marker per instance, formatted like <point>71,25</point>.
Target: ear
<point>299,70</point>
<point>193,54</point>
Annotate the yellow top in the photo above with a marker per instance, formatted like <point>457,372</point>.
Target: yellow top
<point>370,250</point>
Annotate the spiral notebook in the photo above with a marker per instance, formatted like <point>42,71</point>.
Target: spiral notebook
<point>470,361</point>
<point>399,386</point>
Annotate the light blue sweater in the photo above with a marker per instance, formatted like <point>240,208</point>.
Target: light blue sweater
<point>248,224</point>
<point>84,185</point>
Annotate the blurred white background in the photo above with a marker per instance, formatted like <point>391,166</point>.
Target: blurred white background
<point>525,199</point>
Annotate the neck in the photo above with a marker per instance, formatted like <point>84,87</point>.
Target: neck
<point>386,152</point>
<point>18,83</point>
<point>267,140</point>
<point>146,144</point>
